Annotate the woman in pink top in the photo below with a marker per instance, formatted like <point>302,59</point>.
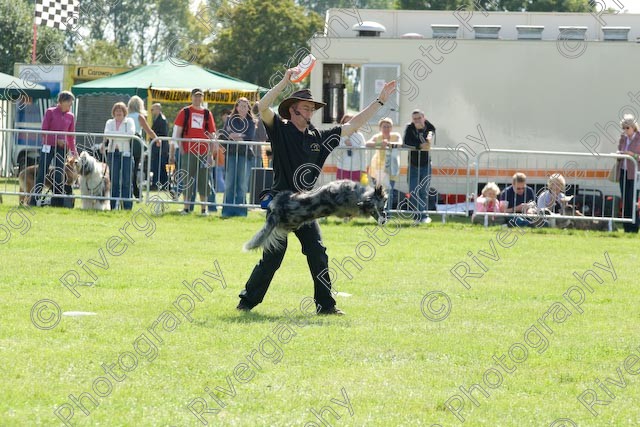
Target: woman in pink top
<point>56,148</point>
<point>489,202</point>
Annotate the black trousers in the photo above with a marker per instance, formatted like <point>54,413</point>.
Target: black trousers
<point>159,160</point>
<point>629,201</point>
<point>316,253</point>
<point>53,160</point>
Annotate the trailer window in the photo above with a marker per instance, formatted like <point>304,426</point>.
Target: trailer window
<point>374,76</point>
<point>349,88</point>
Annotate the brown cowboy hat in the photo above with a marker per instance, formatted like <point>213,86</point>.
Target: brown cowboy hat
<point>301,95</point>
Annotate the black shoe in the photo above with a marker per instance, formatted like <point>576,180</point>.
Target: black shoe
<point>243,306</point>
<point>331,311</point>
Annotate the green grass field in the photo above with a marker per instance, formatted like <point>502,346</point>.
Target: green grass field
<point>144,363</point>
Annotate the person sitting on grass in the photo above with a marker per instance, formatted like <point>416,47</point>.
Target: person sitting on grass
<point>553,198</point>
<point>518,195</point>
<point>519,198</point>
<point>489,202</point>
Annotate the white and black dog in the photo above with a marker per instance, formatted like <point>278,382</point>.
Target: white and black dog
<point>94,181</point>
<point>288,210</point>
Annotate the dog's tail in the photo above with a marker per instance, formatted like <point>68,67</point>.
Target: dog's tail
<point>269,237</point>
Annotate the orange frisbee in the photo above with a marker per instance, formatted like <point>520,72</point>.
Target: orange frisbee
<point>304,68</point>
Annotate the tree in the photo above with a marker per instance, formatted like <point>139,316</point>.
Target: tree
<point>258,38</point>
<point>559,5</point>
<point>14,15</point>
<point>432,4</point>
<point>500,5</point>
<point>15,44</point>
<point>160,29</point>
<point>149,29</point>
<point>321,6</point>
<point>103,52</point>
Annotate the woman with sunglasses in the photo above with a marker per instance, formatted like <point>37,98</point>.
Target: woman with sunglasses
<point>630,145</point>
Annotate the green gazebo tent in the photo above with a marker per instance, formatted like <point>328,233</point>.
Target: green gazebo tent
<point>171,80</point>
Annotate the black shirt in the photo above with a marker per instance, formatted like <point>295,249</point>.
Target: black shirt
<point>160,126</point>
<point>414,137</point>
<point>298,156</point>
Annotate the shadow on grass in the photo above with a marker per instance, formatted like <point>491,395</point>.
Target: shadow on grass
<point>365,222</point>
<point>254,317</point>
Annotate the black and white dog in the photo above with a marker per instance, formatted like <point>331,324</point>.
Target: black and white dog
<point>288,210</point>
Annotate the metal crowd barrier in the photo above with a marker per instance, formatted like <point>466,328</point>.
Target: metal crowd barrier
<point>193,176</point>
<point>447,184</point>
<point>586,176</point>
<point>451,188</point>
<point>85,141</point>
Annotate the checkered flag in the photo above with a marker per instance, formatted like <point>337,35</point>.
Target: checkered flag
<point>60,14</point>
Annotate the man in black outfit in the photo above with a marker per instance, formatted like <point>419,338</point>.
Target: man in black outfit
<point>160,149</point>
<point>299,151</point>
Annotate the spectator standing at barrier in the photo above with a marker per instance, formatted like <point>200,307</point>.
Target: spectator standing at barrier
<point>299,152</point>
<point>195,122</point>
<point>221,160</point>
<point>216,172</point>
<point>261,136</point>
<point>119,154</point>
<point>259,156</point>
<point>55,149</point>
<point>225,116</point>
<point>629,144</point>
<point>239,127</point>
<point>350,163</point>
<point>175,186</point>
<point>159,149</point>
<point>419,135</point>
<point>261,133</point>
<point>139,115</point>
<point>384,167</point>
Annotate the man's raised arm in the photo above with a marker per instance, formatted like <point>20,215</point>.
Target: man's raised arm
<point>363,116</point>
<point>263,105</point>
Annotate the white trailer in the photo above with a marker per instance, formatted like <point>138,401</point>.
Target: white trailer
<point>485,86</point>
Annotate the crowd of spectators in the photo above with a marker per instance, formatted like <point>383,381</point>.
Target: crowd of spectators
<point>222,167</point>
